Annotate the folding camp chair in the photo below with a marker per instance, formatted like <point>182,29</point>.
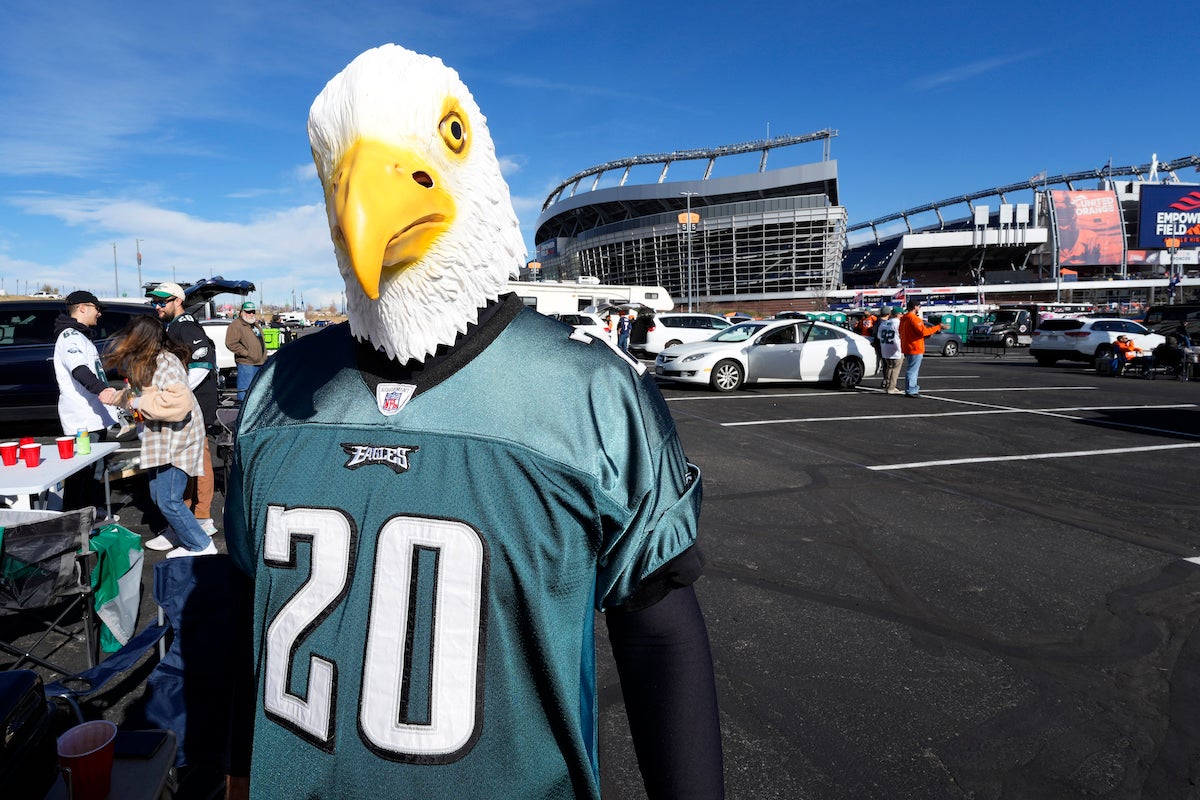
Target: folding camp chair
<point>224,427</point>
<point>45,572</point>
<point>83,686</point>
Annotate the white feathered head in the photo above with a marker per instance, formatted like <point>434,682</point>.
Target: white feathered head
<point>420,216</point>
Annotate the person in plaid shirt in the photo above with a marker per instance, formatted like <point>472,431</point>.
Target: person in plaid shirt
<point>173,436</point>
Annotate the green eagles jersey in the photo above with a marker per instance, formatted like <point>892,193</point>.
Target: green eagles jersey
<point>428,556</point>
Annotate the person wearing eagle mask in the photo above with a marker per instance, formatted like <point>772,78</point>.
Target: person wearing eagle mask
<point>471,482</point>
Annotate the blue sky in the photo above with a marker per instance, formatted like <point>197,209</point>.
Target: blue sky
<point>183,125</point>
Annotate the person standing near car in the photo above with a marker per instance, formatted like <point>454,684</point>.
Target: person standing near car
<point>913,331</point>
<point>167,300</point>
<point>244,338</point>
<point>84,395</point>
<point>624,328</point>
<point>887,339</point>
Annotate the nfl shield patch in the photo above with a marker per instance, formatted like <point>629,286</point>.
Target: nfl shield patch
<point>392,397</point>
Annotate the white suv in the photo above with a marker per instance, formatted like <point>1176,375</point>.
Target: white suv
<point>674,327</point>
<point>1086,339</point>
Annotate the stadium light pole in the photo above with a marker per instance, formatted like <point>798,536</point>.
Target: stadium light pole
<point>690,225</point>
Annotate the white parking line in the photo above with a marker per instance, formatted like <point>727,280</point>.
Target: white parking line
<point>1032,456</point>
<point>743,396</point>
<point>1022,389</point>
<point>999,410</point>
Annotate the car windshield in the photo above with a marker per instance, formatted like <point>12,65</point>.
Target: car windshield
<point>1004,317</point>
<point>738,333</point>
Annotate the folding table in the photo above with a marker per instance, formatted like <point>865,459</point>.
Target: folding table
<point>36,482</point>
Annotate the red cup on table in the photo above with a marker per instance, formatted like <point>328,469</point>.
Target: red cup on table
<point>31,454</point>
<point>85,756</point>
<point>8,453</point>
<point>27,440</point>
<point>66,446</point>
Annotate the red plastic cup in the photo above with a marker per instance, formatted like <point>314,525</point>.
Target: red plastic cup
<point>66,447</point>
<point>8,453</point>
<point>27,440</point>
<point>31,454</point>
<point>85,756</point>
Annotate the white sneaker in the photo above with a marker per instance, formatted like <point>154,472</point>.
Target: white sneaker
<point>159,543</point>
<point>209,526</point>
<point>183,552</point>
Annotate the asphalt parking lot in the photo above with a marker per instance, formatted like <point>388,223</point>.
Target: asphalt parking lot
<point>985,592</point>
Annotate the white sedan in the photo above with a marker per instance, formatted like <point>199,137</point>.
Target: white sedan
<point>771,350</point>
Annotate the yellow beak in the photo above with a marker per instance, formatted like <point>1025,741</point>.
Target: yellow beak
<point>390,207</point>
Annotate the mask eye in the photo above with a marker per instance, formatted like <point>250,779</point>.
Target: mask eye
<point>453,129</point>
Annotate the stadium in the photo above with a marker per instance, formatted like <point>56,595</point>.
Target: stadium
<point>764,240</point>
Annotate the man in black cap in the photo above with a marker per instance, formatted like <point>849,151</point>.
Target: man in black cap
<point>167,300</point>
<point>83,390</point>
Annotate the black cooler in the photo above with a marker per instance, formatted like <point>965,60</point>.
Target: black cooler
<point>28,751</point>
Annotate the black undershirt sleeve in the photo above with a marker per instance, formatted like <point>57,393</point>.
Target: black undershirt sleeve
<point>666,671</point>
<point>88,380</point>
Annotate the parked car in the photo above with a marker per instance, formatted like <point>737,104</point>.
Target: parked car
<point>216,329</point>
<point>653,333</point>
<point>1087,339</point>
<point>771,350</point>
<point>46,296</point>
<point>28,388</point>
<point>944,343</point>
<point>593,323</point>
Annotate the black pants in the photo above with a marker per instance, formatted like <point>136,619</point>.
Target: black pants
<point>82,489</point>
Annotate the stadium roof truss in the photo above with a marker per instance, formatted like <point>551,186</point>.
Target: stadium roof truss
<point>666,159</point>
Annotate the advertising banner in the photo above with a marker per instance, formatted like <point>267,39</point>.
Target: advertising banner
<point>1088,228</point>
<point>1169,212</point>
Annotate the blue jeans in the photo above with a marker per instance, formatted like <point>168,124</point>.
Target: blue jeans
<point>166,490</point>
<point>912,365</point>
<point>245,376</point>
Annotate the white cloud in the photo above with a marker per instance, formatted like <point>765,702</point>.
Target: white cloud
<point>278,250</point>
<point>965,72</point>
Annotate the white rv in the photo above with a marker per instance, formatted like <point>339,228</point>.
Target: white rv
<point>553,297</point>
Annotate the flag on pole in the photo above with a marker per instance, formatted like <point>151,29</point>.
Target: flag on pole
<point>900,296</point>
<point>1041,176</point>
<point>139,255</point>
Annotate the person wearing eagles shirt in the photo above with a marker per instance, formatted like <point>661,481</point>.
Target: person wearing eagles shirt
<point>167,300</point>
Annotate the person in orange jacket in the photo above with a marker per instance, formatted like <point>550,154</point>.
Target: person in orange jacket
<point>1126,352</point>
<point>865,324</point>
<point>913,331</point>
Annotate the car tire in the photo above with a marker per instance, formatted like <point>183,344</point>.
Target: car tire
<point>848,373</point>
<point>1045,360</point>
<point>1009,340</point>
<point>950,350</point>
<point>671,343</point>
<point>727,376</point>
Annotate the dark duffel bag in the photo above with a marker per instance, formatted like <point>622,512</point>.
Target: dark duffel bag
<point>28,752</point>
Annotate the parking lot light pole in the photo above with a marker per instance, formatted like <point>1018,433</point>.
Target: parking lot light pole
<point>1172,244</point>
<point>690,225</point>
